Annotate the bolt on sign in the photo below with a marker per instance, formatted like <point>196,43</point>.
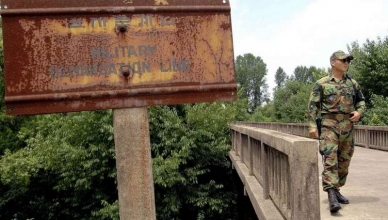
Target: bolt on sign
<point>69,55</point>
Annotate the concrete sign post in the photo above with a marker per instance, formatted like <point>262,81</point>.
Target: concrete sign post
<point>134,164</point>
<point>70,55</point>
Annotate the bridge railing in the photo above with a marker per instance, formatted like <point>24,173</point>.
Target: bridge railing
<point>281,168</point>
<point>375,137</point>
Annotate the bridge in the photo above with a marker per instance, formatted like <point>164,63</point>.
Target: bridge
<point>280,169</point>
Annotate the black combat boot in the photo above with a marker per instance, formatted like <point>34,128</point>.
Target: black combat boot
<point>333,201</point>
<point>341,199</point>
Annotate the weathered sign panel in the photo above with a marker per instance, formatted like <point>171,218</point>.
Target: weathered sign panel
<point>75,55</point>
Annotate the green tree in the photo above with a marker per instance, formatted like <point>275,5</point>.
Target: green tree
<point>304,74</point>
<point>241,106</point>
<point>280,77</point>
<point>319,73</point>
<point>264,113</point>
<point>251,72</point>
<point>290,102</point>
<point>377,115</point>
<point>265,97</point>
<point>370,67</point>
<point>66,171</point>
<point>191,171</point>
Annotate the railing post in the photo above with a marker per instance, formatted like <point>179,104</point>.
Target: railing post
<point>265,170</point>
<point>367,138</point>
<point>305,130</point>
<point>242,149</point>
<point>239,148</point>
<point>233,133</point>
<point>250,156</point>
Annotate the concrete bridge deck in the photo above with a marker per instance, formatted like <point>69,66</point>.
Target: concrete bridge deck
<point>366,188</point>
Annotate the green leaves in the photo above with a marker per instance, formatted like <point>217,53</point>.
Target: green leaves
<point>370,66</point>
<point>69,158</point>
<point>250,74</point>
<point>378,114</point>
<point>110,211</point>
<point>290,101</point>
<point>189,147</point>
<point>17,168</point>
<point>280,77</point>
<point>370,69</point>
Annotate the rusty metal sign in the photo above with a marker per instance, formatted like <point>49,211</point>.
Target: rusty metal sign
<point>72,55</point>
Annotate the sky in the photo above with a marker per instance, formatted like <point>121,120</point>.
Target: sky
<point>291,33</point>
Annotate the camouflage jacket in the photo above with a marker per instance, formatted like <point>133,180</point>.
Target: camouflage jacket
<point>330,95</point>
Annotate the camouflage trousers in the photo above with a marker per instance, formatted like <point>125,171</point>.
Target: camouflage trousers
<point>336,146</point>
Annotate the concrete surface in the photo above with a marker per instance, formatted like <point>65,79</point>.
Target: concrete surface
<point>366,188</point>
<point>134,165</point>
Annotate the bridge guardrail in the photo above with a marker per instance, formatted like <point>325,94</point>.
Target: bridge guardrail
<point>284,167</point>
<point>375,137</point>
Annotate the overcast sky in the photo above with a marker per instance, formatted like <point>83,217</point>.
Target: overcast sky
<point>290,33</point>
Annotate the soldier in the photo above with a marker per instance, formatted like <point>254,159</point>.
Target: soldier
<point>335,104</point>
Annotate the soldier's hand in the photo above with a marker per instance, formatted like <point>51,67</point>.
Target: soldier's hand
<point>356,116</point>
<point>313,133</point>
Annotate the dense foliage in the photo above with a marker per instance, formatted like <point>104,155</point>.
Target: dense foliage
<point>377,114</point>
<point>290,101</point>
<point>370,67</point>
<point>65,171</point>
<point>189,147</point>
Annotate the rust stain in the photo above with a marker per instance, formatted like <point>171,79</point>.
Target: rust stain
<point>161,2</point>
<point>27,24</point>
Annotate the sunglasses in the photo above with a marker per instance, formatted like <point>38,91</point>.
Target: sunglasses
<point>344,60</point>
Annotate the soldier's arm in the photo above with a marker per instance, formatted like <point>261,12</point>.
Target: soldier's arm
<point>360,100</point>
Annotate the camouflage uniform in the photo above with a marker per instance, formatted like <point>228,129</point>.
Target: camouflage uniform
<point>332,100</point>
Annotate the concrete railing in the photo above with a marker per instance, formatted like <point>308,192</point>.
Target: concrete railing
<point>279,172</point>
<point>375,137</point>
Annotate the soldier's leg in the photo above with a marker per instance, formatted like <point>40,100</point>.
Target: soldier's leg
<point>328,148</point>
<point>345,153</point>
